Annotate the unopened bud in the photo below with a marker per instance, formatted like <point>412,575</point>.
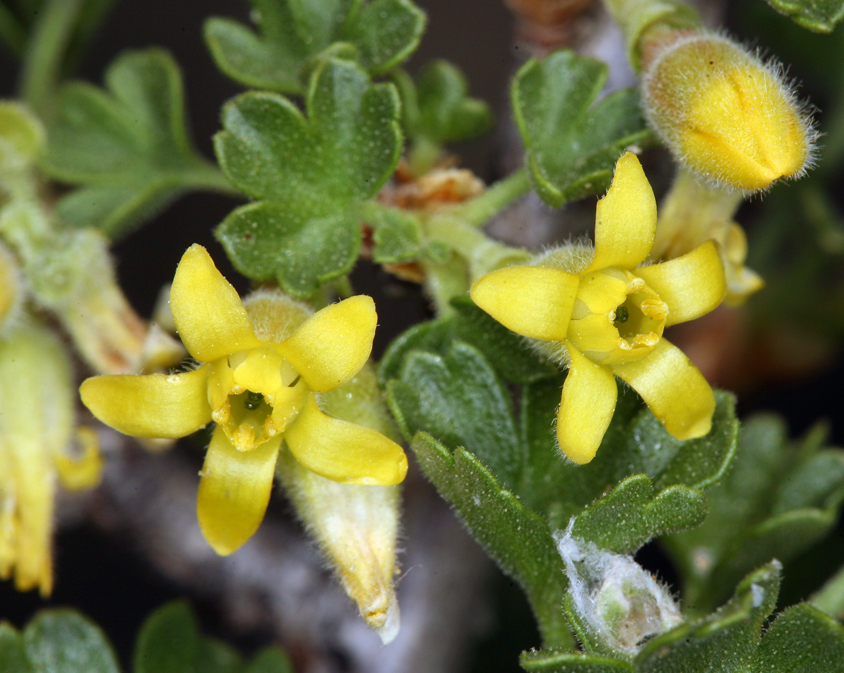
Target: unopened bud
<point>725,114</point>
<point>619,602</point>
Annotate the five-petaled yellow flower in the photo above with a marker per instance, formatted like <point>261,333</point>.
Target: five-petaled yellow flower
<point>605,316</point>
<point>259,390</point>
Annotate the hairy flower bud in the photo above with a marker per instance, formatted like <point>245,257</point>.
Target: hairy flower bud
<point>356,526</point>
<point>723,113</point>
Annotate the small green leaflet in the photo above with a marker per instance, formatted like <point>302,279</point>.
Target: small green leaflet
<point>294,35</point>
<point>572,142</point>
<point>126,146</point>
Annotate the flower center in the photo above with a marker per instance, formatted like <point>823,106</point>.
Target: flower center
<point>254,394</point>
<point>617,317</point>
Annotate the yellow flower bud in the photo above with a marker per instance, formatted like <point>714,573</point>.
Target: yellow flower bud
<point>725,114</point>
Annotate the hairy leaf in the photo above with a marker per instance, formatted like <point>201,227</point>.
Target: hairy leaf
<point>126,145</point>
<point>310,173</point>
<point>294,34</point>
<point>572,142</point>
<point>518,539</point>
<point>773,503</point>
<point>818,15</point>
<point>437,107</point>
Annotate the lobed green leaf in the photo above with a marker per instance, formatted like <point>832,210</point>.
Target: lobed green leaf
<point>126,145</point>
<point>437,107</point>
<point>572,143</point>
<point>311,174</point>
<point>773,503</point>
<point>723,641</point>
<point>518,539</point>
<point>295,34</point>
<point>632,514</point>
<point>459,400</point>
<point>800,639</point>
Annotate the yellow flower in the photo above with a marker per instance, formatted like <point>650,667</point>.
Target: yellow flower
<point>605,316</point>
<point>259,389</point>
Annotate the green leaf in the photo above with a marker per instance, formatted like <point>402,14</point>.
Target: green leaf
<point>518,539</point>
<point>13,657</point>
<point>630,515</point>
<point>127,146</point>
<point>572,142</point>
<point>311,174</point>
<point>459,400</point>
<point>507,352</point>
<point>773,503</point>
<point>168,641</point>
<point>62,641</point>
<point>558,661</point>
<point>817,15</point>
<point>269,660</point>
<point>438,108</point>
<point>800,639</point>
<point>723,641</point>
<point>634,443</point>
<point>293,34</point>
<point>396,234</point>
<point>265,239</point>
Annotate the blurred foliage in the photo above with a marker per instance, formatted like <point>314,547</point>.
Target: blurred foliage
<point>60,640</point>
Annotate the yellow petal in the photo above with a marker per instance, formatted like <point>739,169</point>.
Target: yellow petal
<point>207,311</point>
<point>691,285</point>
<point>625,221</point>
<point>594,333</point>
<point>673,388</point>
<point>234,491</point>
<point>586,409</point>
<point>602,292</point>
<point>533,301</point>
<point>343,451</point>
<point>155,405</point>
<point>332,345</point>
<point>260,372</point>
